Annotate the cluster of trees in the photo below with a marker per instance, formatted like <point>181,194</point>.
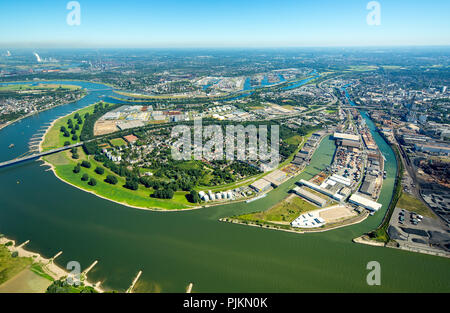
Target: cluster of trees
<point>62,286</point>
<point>74,152</point>
<point>73,127</point>
<point>193,197</point>
<point>111,179</point>
<point>132,184</point>
<point>91,148</point>
<point>85,177</point>
<point>77,168</point>
<point>86,164</point>
<point>163,193</point>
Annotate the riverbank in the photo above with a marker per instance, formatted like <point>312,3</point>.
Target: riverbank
<point>356,220</point>
<point>47,265</point>
<point>62,165</point>
<point>37,112</point>
<point>59,80</point>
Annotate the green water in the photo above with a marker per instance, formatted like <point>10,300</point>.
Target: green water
<point>173,249</point>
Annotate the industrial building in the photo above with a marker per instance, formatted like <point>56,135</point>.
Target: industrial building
<point>308,220</point>
<point>310,196</point>
<point>365,203</point>
<point>333,195</point>
<point>341,136</point>
<point>261,185</point>
<point>276,177</point>
<point>439,148</point>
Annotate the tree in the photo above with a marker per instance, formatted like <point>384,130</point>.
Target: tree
<point>99,170</point>
<point>92,182</point>
<point>131,184</point>
<point>111,179</point>
<point>85,177</point>
<point>74,137</point>
<point>86,164</point>
<point>77,169</point>
<point>66,143</point>
<point>62,286</point>
<point>194,197</point>
<point>163,194</point>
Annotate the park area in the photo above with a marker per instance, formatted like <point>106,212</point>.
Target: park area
<point>54,138</point>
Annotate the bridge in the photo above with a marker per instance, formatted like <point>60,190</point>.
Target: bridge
<point>38,155</point>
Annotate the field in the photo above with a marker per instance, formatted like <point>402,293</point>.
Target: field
<point>294,140</point>
<point>337,214</point>
<point>284,212</point>
<point>105,127</point>
<point>9,266</point>
<point>26,281</point>
<point>412,204</point>
<point>118,142</point>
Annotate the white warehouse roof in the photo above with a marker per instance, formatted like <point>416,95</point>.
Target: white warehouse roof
<point>366,203</point>
<point>346,136</point>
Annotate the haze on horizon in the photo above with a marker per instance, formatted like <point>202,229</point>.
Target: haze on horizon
<point>232,23</point>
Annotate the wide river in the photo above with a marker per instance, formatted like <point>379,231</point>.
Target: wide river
<point>174,249</point>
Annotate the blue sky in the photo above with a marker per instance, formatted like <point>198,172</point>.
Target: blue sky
<point>219,23</point>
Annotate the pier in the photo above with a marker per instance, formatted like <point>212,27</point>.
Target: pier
<point>56,255</point>
<point>24,244</point>
<point>130,289</point>
<point>86,271</point>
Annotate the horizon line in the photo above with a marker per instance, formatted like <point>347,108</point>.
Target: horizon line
<point>28,47</point>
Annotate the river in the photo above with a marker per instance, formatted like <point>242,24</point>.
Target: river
<point>174,249</point>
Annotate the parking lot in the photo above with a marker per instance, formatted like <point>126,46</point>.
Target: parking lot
<point>414,231</point>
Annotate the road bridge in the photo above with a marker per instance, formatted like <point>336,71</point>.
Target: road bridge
<point>38,155</point>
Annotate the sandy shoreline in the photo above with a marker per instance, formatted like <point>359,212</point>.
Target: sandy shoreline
<point>48,265</point>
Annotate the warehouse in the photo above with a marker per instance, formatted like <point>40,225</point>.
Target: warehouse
<point>341,136</point>
<point>261,185</point>
<point>340,179</point>
<point>310,196</point>
<point>368,187</point>
<point>365,203</point>
<point>276,177</point>
<point>351,144</point>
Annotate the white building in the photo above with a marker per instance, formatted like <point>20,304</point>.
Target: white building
<point>365,203</point>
